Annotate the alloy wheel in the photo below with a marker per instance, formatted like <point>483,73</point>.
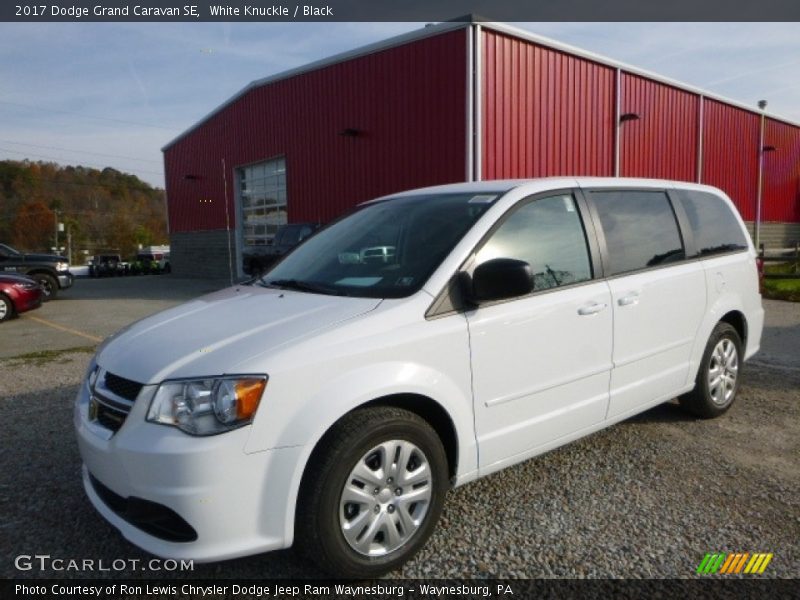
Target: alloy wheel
<point>385,498</point>
<point>723,370</point>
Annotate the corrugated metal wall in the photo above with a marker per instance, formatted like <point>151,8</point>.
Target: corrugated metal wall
<point>545,112</point>
<point>662,142</point>
<point>781,194</point>
<point>409,103</point>
<point>730,153</point>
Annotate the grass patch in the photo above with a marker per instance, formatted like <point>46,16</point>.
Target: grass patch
<point>782,289</point>
<point>41,357</point>
<point>787,268</point>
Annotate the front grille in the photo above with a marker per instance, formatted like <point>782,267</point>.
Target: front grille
<point>109,416</point>
<point>124,388</point>
<point>153,518</point>
<point>112,399</point>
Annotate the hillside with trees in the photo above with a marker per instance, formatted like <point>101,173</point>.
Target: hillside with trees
<point>101,210</point>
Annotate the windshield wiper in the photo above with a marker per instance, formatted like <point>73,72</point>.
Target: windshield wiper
<point>306,286</point>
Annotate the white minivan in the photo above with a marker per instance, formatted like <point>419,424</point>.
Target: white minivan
<point>422,341</point>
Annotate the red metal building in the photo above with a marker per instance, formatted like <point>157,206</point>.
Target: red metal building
<point>453,102</point>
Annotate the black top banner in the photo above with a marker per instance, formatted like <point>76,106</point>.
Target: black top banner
<point>399,10</point>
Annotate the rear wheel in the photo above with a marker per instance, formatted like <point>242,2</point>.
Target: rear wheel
<point>372,493</point>
<point>718,376</point>
<point>6,308</point>
<point>49,285</point>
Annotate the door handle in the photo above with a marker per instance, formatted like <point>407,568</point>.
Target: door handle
<point>592,309</point>
<point>629,300</point>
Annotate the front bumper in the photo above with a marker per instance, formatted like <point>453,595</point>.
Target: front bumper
<point>28,301</point>
<point>65,280</point>
<point>235,503</point>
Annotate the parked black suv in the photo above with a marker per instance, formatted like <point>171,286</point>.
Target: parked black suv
<point>259,258</point>
<point>107,265</point>
<point>50,270</point>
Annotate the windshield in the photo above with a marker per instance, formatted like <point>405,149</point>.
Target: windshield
<point>8,250</point>
<point>383,250</point>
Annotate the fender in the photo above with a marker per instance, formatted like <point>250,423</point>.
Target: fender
<point>718,307</point>
<point>315,415</point>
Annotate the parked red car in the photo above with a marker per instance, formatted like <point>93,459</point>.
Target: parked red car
<point>18,294</point>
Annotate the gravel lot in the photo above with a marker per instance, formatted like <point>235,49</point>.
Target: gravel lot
<point>646,498</point>
<point>95,308</point>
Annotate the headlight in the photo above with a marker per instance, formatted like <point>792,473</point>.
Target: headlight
<point>207,406</point>
<point>62,266</point>
<point>27,286</point>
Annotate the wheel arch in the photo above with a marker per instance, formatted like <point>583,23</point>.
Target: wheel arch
<point>728,309</point>
<point>44,271</point>
<point>428,409</point>
<point>737,320</point>
<point>432,413</point>
<point>55,284</point>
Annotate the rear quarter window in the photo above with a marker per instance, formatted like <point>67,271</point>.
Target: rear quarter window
<point>714,226</point>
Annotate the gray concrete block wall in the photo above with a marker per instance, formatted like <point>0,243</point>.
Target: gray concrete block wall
<point>202,254</point>
<point>777,235</point>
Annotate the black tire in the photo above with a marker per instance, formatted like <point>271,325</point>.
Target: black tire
<point>709,401</point>
<point>49,285</point>
<point>6,308</point>
<point>319,523</point>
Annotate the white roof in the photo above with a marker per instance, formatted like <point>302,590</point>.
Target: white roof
<point>501,186</point>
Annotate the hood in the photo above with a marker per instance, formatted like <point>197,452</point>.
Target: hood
<point>213,334</point>
<point>45,258</point>
<point>10,277</point>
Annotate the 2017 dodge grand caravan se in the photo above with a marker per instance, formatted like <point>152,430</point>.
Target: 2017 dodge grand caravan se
<point>425,340</point>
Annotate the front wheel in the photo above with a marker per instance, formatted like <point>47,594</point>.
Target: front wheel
<point>49,285</point>
<point>718,376</point>
<point>6,308</point>
<point>372,492</point>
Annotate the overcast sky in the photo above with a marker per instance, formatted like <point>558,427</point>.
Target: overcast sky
<point>107,94</point>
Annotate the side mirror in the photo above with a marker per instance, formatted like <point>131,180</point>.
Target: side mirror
<point>499,279</point>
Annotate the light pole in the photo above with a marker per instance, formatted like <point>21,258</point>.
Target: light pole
<point>762,104</point>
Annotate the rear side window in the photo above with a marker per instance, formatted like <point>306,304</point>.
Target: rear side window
<point>640,229</point>
<point>547,234</point>
<point>714,226</point>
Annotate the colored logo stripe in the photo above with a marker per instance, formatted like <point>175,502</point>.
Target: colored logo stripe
<point>734,563</point>
<point>711,563</point>
<point>758,563</point>
<point>728,562</point>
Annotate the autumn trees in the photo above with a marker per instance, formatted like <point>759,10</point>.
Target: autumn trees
<point>100,210</point>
